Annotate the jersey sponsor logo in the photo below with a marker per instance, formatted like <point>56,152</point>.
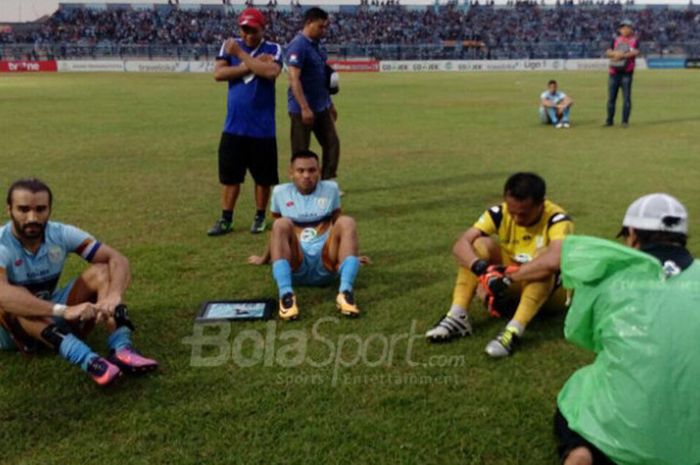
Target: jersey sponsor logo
<point>308,235</point>
<point>522,258</point>
<point>37,274</point>
<point>55,254</point>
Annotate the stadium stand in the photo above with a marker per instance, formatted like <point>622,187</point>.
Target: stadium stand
<point>382,31</point>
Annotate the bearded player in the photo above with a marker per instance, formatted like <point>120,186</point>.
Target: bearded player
<point>33,311</point>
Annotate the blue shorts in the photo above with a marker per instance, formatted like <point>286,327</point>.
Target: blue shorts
<point>6,342</point>
<point>312,271</point>
<point>59,296</point>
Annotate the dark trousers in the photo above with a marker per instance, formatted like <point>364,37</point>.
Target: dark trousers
<point>615,81</point>
<point>326,135</point>
<point>570,440</point>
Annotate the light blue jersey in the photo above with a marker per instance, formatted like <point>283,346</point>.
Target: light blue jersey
<point>309,209</point>
<point>550,115</point>
<point>554,98</point>
<point>312,214</point>
<point>39,273</point>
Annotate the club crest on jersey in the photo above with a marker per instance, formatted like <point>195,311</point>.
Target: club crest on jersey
<point>308,235</point>
<point>289,203</point>
<point>19,262</point>
<point>322,202</point>
<point>55,254</point>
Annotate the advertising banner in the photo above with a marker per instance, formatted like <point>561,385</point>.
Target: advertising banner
<point>27,66</point>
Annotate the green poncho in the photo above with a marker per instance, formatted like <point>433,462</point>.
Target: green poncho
<point>639,402</point>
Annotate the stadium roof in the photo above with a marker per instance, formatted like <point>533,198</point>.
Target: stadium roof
<point>29,10</point>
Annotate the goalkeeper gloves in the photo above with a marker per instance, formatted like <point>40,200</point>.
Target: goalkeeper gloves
<point>495,282</point>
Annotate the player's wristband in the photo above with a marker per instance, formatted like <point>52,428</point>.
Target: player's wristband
<point>479,267</point>
<point>58,310</point>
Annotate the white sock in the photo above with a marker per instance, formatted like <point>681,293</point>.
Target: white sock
<point>458,312</point>
<point>520,329</point>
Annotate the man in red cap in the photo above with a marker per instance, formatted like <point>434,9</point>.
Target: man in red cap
<point>250,65</point>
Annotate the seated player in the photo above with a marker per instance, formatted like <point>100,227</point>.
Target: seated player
<point>525,223</point>
<point>311,242</point>
<point>555,106</point>
<point>32,311</point>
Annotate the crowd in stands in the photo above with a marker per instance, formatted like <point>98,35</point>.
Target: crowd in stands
<point>519,29</point>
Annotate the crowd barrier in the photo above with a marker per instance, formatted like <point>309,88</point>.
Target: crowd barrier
<point>359,65</point>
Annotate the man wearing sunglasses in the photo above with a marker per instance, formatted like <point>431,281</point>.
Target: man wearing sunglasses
<point>250,65</point>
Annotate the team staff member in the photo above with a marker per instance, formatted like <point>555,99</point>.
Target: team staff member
<point>636,307</point>
<point>308,99</point>
<point>524,224</point>
<point>33,251</point>
<point>250,65</point>
<point>622,55</point>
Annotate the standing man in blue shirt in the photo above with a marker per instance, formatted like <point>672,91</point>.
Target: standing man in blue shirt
<point>250,65</point>
<point>311,242</point>
<point>555,106</point>
<point>33,310</point>
<point>308,99</point>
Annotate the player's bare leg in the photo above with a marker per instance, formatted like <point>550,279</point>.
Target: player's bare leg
<point>579,456</point>
<point>342,252</point>
<point>286,255</point>
<point>92,286</point>
<point>57,334</point>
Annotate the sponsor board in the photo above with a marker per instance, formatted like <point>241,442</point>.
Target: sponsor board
<point>157,66</point>
<point>28,66</point>
<point>692,63</point>
<point>201,66</point>
<point>75,66</point>
<point>666,63</point>
<point>371,66</point>
<point>493,65</point>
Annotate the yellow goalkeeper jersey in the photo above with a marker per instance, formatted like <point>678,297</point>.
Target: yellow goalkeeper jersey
<point>520,243</point>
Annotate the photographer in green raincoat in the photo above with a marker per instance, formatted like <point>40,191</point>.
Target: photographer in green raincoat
<point>638,309</point>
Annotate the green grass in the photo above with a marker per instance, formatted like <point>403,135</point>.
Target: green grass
<point>132,159</point>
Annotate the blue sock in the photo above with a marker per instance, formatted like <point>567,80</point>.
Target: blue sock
<point>76,351</point>
<point>348,272</point>
<point>120,338</point>
<point>282,273</point>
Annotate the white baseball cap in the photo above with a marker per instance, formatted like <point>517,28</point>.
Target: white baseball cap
<point>657,212</point>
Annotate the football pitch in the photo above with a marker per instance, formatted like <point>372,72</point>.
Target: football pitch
<point>132,160</point>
